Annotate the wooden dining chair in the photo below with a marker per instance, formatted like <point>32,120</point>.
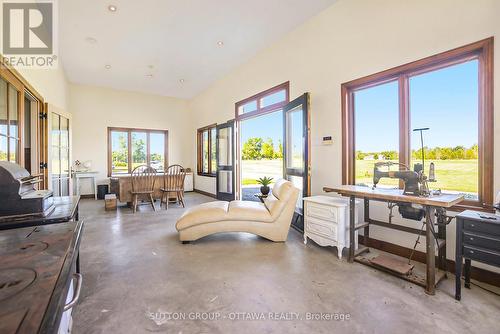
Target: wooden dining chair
<point>143,182</point>
<point>173,182</point>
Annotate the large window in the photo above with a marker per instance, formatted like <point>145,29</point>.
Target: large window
<point>451,94</point>
<point>207,151</point>
<point>129,148</point>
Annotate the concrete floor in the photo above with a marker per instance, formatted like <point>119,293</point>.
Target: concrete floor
<point>138,278</point>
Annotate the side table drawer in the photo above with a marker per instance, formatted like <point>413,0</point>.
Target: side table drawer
<point>326,229</point>
<point>322,212</point>
<point>481,255</point>
<point>479,227</point>
<point>491,243</point>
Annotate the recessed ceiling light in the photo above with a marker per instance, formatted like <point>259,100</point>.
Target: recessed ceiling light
<point>112,8</point>
<point>107,67</point>
<point>181,80</point>
<point>91,40</point>
<point>220,43</point>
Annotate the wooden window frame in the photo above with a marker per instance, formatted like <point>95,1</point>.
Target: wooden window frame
<point>199,155</point>
<point>483,52</point>
<point>257,97</point>
<point>129,146</point>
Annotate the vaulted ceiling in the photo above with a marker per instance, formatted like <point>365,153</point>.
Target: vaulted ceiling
<point>170,47</point>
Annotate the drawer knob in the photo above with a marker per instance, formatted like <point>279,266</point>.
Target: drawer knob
<point>471,225</point>
<point>471,252</point>
<point>471,239</point>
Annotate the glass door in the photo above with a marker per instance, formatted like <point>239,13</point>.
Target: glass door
<point>60,155</point>
<point>225,162</point>
<point>296,147</point>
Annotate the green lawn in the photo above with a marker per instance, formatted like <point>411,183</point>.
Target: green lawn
<point>455,175</point>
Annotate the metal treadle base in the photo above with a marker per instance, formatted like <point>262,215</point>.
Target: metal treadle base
<point>394,264</point>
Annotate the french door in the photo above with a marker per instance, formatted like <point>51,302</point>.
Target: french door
<point>296,148</point>
<point>60,155</point>
<point>225,181</point>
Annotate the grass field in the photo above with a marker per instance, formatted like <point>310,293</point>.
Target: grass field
<point>251,170</point>
<point>454,175</point>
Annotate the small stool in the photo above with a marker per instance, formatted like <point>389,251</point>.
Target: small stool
<point>110,202</point>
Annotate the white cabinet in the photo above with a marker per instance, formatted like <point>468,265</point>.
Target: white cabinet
<point>188,182</point>
<point>326,221</point>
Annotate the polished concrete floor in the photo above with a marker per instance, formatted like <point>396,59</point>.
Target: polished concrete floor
<point>138,278</point>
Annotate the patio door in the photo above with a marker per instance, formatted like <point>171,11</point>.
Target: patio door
<point>296,147</point>
<point>225,162</point>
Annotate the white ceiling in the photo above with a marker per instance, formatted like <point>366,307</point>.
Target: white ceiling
<point>177,37</point>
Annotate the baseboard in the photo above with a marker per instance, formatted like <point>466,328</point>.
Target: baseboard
<point>479,274</point>
<point>204,193</point>
<point>88,196</point>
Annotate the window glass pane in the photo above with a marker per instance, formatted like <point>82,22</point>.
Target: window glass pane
<point>157,150</point>
<point>64,132</point>
<point>56,161</point>
<point>446,101</point>
<point>213,150</point>
<point>248,107</point>
<point>139,149</point>
<point>56,186</point>
<point>204,148</point>
<point>225,149</point>
<point>119,152</point>
<point>13,147</point>
<point>3,148</point>
<point>274,98</point>
<point>65,161</point>
<point>376,118</point>
<point>55,133</point>
<point>13,113</point>
<point>295,139</point>
<point>3,107</point>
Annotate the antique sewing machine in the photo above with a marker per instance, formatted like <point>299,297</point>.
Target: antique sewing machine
<point>415,182</point>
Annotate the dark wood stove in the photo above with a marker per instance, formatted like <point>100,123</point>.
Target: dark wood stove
<point>37,266</point>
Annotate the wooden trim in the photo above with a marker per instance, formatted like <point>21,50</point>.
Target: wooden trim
<point>129,143</point>
<point>479,274</point>
<point>199,150</point>
<point>260,111</point>
<point>204,193</point>
<point>483,52</point>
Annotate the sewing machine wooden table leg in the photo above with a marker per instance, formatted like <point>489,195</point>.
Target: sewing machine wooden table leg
<point>352,223</point>
<point>431,251</point>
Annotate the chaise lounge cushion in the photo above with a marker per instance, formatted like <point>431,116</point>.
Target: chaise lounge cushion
<point>247,210</point>
<point>203,213</point>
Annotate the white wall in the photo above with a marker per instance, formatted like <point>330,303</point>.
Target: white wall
<point>94,109</point>
<point>349,40</point>
<point>51,84</point>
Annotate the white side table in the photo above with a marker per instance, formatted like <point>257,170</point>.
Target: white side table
<point>326,221</point>
<point>85,175</point>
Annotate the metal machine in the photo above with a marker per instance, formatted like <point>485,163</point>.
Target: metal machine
<point>18,194</point>
<point>415,182</point>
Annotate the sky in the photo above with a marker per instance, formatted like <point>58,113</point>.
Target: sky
<point>446,101</point>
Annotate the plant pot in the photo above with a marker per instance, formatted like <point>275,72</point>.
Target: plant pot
<point>264,190</point>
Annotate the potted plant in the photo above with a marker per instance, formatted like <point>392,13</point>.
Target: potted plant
<point>264,182</point>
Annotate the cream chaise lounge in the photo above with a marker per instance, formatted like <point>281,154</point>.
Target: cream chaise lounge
<point>270,220</point>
